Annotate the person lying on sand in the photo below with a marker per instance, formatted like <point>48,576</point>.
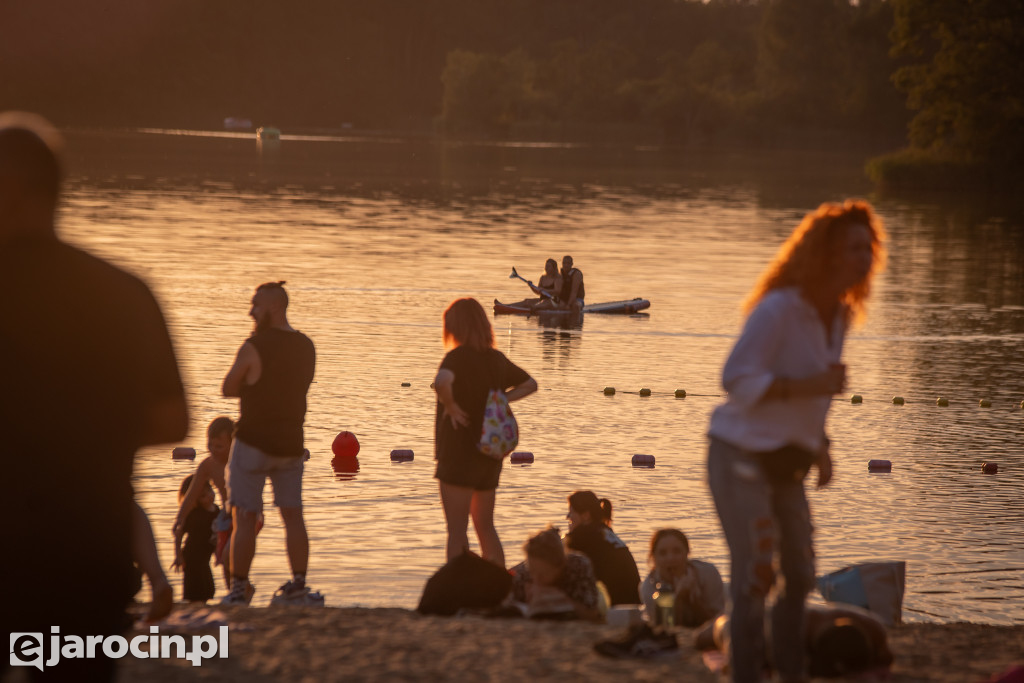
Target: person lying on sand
<point>840,640</point>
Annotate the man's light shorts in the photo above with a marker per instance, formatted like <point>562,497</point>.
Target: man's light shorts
<point>248,469</point>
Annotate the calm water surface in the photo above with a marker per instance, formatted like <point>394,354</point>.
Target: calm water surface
<point>376,238</point>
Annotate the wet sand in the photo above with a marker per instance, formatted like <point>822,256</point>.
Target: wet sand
<point>357,644</point>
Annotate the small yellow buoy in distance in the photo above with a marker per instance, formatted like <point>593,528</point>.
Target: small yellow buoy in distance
<point>898,400</point>
<point>985,403</point>
<point>609,391</point>
<point>856,398</point>
<point>681,393</point>
<point>940,401</point>
<point>645,392</point>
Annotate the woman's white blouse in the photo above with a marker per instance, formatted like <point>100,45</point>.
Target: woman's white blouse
<point>782,337</point>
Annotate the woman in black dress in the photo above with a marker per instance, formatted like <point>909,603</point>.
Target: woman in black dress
<point>468,478</point>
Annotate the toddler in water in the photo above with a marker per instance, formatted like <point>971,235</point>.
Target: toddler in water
<point>197,585</point>
<point>698,588</point>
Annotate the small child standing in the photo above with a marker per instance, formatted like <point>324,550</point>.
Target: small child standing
<point>197,585</point>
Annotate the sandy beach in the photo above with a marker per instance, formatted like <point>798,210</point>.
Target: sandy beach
<point>358,644</point>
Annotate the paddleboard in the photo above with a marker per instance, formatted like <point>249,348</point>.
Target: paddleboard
<point>626,306</point>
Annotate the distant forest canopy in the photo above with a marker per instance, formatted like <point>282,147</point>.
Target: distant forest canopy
<point>692,71</point>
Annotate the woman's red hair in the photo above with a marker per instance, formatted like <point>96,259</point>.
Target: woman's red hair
<point>466,324</point>
<point>804,260</point>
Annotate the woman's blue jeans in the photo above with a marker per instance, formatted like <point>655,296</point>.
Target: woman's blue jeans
<point>767,525</point>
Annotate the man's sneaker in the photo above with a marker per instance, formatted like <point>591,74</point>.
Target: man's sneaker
<point>641,642</point>
<point>294,594</point>
<point>239,595</point>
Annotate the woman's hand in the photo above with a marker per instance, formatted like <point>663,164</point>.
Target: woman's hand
<point>456,414</point>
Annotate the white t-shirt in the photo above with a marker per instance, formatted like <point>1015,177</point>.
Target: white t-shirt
<point>783,337</point>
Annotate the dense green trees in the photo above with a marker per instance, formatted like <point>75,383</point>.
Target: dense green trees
<point>963,77</point>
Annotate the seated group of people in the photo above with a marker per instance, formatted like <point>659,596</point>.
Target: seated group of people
<point>592,569</point>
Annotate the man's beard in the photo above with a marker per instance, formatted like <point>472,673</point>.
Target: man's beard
<point>262,323</point>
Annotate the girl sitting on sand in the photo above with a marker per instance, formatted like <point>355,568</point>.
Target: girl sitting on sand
<point>590,533</point>
<point>552,583</point>
<point>699,591</point>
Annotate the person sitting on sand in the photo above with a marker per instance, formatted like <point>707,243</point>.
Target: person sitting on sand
<point>197,585</point>
<point>590,533</point>
<point>553,583</point>
<point>211,472</point>
<point>839,640</point>
<point>699,591</point>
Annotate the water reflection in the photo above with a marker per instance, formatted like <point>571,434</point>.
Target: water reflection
<point>377,238</point>
<point>345,467</point>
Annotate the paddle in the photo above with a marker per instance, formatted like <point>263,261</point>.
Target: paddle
<point>540,291</point>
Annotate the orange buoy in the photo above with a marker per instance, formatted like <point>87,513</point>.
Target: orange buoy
<point>345,445</point>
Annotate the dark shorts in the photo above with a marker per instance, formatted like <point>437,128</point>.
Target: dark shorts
<point>470,470</point>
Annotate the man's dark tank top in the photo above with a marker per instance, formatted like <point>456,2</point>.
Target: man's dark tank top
<point>567,286</point>
<point>273,409</point>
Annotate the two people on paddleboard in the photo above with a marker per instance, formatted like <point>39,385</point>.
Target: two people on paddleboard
<point>558,290</point>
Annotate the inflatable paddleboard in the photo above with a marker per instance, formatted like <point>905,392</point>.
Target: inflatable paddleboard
<point>627,306</point>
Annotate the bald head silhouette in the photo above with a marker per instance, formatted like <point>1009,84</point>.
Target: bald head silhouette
<point>30,175</point>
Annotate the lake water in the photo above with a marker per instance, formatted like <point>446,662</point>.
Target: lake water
<point>376,237</point>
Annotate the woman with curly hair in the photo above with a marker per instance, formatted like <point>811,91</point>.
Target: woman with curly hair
<point>769,432</point>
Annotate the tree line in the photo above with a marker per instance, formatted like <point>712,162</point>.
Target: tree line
<point>689,72</point>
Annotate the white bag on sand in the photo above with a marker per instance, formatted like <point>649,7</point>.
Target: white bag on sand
<point>875,586</point>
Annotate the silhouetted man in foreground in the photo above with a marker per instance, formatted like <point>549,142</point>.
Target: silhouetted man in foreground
<point>88,376</point>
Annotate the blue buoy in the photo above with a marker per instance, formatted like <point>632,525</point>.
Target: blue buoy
<point>521,457</point>
<point>879,466</point>
<point>401,455</point>
<point>643,460</point>
<point>183,453</point>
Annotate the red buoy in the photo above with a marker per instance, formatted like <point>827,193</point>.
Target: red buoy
<point>345,445</point>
